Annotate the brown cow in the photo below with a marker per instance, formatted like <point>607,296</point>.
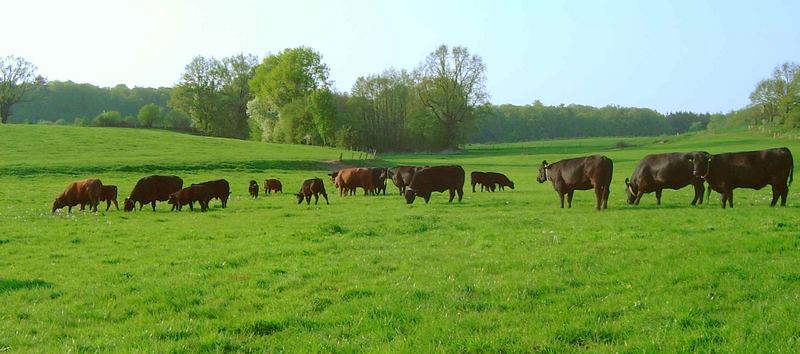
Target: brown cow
<point>401,176</point>
<point>379,175</point>
<point>108,195</point>
<point>436,179</point>
<point>219,189</point>
<point>310,187</point>
<point>750,169</point>
<point>490,181</point>
<point>667,171</point>
<point>150,189</point>
<point>85,191</point>
<point>253,188</point>
<point>189,195</point>
<point>271,185</point>
<point>348,179</point>
<point>580,173</point>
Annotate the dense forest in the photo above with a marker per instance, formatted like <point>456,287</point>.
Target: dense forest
<point>288,98</point>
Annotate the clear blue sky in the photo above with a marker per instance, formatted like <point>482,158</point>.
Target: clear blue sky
<point>666,55</point>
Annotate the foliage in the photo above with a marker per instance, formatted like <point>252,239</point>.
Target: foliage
<point>778,97</point>
<point>17,77</point>
<point>149,115</point>
<point>107,119</point>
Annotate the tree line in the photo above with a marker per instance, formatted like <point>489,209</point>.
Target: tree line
<point>287,97</point>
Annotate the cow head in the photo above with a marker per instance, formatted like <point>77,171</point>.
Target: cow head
<point>701,163</point>
<point>129,204</point>
<point>384,174</point>
<point>410,195</point>
<point>299,198</point>
<point>173,199</point>
<point>333,176</point>
<point>630,191</point>
<point>58,203</point>
<point>543,172</point>
<point>511,184</point>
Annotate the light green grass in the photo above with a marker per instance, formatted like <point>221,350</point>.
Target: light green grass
<point>506,271</point>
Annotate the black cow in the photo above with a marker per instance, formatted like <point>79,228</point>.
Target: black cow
<point>436,179</point>
<point>150,189</point>
<point>310,187</point>
<point>667,171</point>
<point>580,173</point>
<point>219,188</point>
<point>490,181</point>
<point>750,169</point>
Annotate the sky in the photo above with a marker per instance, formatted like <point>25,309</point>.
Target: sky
<point>665,55</point>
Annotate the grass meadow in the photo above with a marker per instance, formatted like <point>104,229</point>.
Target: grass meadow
<point>499,272</point>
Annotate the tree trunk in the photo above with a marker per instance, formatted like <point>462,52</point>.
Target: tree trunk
<point>5,112</point>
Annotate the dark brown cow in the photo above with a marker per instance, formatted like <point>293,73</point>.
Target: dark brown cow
<point>150,189</point>
<point>378,180</point>
<point>85,191</point>
<point>667,171</point>
<point>310,187</point>
<point>253,188</point>
<point>436,179</point>
<point>490,181</point>
<point>348,179</point>
<point>271,185</point>
<point>750,169</point>
<point>219,189</point>
<point>401,176</point>
<point>108,195</point>
<point>190,195</point>
<point>580,173</point>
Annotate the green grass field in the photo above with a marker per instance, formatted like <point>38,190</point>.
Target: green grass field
<point>499,272</point>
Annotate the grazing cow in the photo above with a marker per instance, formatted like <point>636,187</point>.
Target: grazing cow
<point>310,187</point>
<point>436,179</point>
<point>378,180</point>
<point>85,191</point>
<point>271,185</point>
<point>219,189</point>
<point>150,189</point>
<point>667,171</point>
<point>189,195</point>
<point>490,181</point>
<point>401,176</point>
<point>580,173</point>
<point>108,194</point>
<point>348,179</point>
<point>750,169</point>
<point>253,188</point>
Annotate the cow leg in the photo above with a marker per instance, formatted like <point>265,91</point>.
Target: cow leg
<point>784,194</point>
<point>561,196</point>
<point>723,196</point>
<point>116,205</point>
<point>325,195</point>
<point>224,201</point>
<point>154,205</point>
<point>460,192</point>
<point>658,196</point>
<point>569,198</point>
<point>598,193</point>
<point>452,195</point>
<point>639,196</point>
<point>607,191</point>
<point>69,209</point>
<point>83,206</point>
<point>473,187</point>
<point>699,190</point>
<point>730,198</point>
<point>316,198</point>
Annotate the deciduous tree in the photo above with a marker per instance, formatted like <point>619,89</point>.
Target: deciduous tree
<point>17,77</point>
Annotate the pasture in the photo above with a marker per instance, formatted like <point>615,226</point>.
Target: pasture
<point>505,271</point>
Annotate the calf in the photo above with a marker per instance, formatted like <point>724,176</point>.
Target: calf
<point>490,181</point>
<point>85,191</point>
<point>108,194</point>
<point>348,179</point>
<point>271,185</point>
<point>310,187</point>
<point>436,179</point>
<point>750,169</point>
<point>378,180</point>
<point>189,195</point>
<point>667,171</point>
<point>253,188</point>
<point>580,173</point>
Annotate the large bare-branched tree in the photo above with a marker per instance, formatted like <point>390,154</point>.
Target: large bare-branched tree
<point>451,83</point>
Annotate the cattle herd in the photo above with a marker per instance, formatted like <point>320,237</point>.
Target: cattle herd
<point>722,172</point>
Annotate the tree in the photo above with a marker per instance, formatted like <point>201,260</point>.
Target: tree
<point>778,95</point>
<point>283,85</point>
<point>17,77</point>
<point>149,115</point>
<point>451,83</point>
<point>107,119</point>
<point>196,93</point>
<point>235,73</point>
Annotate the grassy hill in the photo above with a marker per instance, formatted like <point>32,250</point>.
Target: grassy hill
<point>506,271</point>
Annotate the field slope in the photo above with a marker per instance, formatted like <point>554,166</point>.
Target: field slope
<point>499,272</point>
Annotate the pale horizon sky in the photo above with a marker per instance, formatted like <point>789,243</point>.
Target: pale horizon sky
<point>670,56</point>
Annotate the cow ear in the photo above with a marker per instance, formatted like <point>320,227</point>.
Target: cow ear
<point>627,181</point>
<point>544,163</point>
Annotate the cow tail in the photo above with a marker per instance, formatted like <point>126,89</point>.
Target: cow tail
<point>791,170</point>
<point>708,193</point>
